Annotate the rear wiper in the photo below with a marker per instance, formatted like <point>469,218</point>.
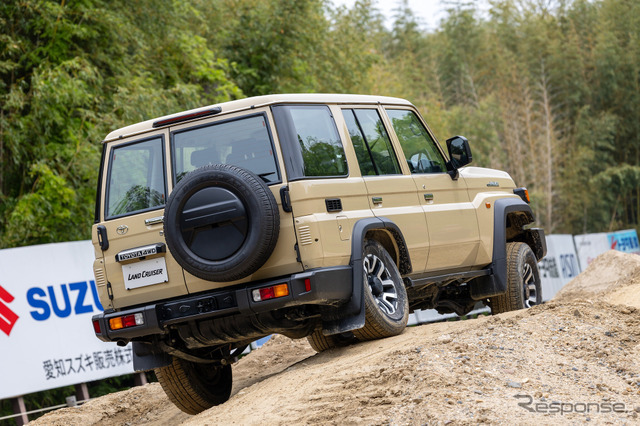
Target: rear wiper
<point>264,175</point>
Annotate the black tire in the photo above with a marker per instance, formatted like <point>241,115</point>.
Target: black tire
<point>320,343</point>
<point>523,281</point>
<point>195,387</point>
<point>221,223</point>
<point>385,296</point>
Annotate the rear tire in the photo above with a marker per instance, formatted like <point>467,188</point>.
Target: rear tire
<point>320,343</point>
<point>195,387</point>
<point>523,281</point>
<point>385,296</point>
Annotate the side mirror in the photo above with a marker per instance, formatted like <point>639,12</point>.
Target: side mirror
<point>459,151</point>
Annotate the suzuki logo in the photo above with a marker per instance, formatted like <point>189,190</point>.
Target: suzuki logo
<point>122,229</point>
<point>8,318</point>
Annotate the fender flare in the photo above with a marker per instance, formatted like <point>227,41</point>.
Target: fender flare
<point>496,283</point>
<point>352,313</point>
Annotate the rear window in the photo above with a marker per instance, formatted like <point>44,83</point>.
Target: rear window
<point>243,142</point>
<point>136,178</point>
<point>312,140</point>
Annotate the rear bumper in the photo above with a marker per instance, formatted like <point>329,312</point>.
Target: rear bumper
<point>328,287</point>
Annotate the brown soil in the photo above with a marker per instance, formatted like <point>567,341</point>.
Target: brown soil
<point>583,348</point>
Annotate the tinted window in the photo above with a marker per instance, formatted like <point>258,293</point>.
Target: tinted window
<point>419,148</point>
<point>136,178</point>
<point>322,151</point>
<point>371,142</point>
<point>244,143</point>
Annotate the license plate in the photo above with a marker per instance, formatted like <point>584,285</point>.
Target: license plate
<point>144,273</point>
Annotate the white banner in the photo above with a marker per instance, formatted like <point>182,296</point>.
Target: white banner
<point>590,246</point>
<point>559,266</point>
<point>47,298</point>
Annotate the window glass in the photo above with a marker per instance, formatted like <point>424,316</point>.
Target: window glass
<point>419,148</point>
<point>244,143</point>
<point>371,142</point>
<point>322,151</point>
<point>136,181</point>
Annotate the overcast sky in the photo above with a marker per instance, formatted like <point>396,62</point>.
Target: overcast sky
<point>428,11</point>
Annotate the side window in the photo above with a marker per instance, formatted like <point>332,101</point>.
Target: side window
<point>136,178</point>
<point>419,148</point>
<point>242,142</point>
<point>371,142</point>
<point>311,136</point>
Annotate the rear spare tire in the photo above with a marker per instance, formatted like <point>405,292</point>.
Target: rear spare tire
<point>221,223</point>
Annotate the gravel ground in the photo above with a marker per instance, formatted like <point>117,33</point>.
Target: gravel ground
<point>570,361</point>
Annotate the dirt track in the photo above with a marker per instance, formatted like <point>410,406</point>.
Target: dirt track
<point>568,355</point>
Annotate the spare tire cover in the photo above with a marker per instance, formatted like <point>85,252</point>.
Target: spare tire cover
<point>221,223</point>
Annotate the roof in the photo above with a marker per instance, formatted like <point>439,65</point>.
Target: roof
<point>256,101</point>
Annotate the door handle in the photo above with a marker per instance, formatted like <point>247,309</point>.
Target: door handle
<point>428,197</point>
<point>154,220</point>
<point>376,200</point>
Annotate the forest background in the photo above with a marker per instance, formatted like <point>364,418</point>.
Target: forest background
<point>548,90</point>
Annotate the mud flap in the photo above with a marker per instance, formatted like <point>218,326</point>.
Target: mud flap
<point>353,311</point>
<point>146,357</point>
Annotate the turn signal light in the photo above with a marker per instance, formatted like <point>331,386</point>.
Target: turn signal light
<point>522,193</point>
<point>271,292</point>
<point>126,321</point>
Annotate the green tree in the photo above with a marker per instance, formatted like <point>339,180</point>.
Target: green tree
<point>71,72</point>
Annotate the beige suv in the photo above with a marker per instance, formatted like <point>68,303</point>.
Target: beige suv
<point>330,217</point>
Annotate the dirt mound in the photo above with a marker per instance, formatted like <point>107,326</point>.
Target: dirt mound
<point>149,405</point>
<point>568,361</point>
<point>613,277</point>
<point>467,372</point>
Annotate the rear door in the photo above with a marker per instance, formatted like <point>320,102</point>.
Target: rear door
<point>391,193</point>
<point>450,214</point>
<point>135,267</point>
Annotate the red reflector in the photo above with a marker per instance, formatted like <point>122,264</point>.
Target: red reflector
<point>96,326</point>
<point>307,284</point>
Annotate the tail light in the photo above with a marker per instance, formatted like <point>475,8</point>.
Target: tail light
<point>126,321</point>
<point>271,292</point>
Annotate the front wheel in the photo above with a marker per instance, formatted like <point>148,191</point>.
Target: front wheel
<point>385,297</point>
<point>195,387</point>
<point>523,281</point>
